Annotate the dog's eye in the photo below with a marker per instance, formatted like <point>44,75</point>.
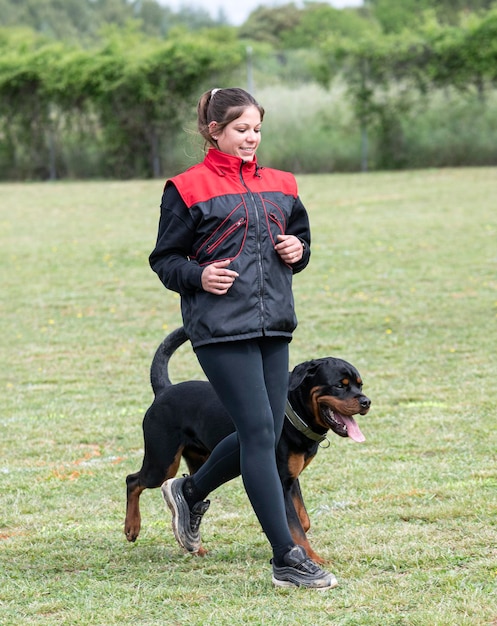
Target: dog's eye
<point>339,385</point>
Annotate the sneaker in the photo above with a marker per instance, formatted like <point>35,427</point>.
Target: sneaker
<point>185,522</point>
<point>300,571</point>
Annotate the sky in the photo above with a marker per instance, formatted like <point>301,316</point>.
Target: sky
<point>237,11</point>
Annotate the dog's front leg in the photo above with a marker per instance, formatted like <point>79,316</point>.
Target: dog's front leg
<point>298,519</point>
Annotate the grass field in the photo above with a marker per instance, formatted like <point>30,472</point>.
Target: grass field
<point>402,283</point>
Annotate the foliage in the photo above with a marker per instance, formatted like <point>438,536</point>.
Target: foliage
<point>25,100</point>
<point>76,18</point>
<point>432,56</point>
<point>395,17</point>
<point>106,86</point>
<point>402,283</point>
<point>83,19</point>
<point>144,90</point>
<point>267,24</point>
<point>311,129</point>
<point>467,55</point>
<point>136,88</point>
<point>288,27</point>
<point>318,20</point>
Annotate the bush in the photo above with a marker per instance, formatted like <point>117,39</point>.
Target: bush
<point>452,130</point>
<point>311,130</point>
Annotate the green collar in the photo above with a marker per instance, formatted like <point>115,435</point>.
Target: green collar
<point>300,425</point>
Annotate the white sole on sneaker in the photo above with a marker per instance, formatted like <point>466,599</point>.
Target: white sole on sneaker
<point>287,584</point>
<point>170,500</point>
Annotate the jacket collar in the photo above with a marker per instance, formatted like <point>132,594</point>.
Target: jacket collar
<point>228,165</point>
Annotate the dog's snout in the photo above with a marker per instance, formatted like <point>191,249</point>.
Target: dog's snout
<point>365,402</point>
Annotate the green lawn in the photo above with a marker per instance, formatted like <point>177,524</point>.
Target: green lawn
<point>402,283</point>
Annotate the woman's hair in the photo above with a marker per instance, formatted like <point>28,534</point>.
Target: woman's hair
<point>222,106</point>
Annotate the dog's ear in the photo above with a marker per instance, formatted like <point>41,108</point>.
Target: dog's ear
<point>301,372</point>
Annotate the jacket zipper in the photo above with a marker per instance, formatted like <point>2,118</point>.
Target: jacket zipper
<point>259,254</point>
<point>276,221</point>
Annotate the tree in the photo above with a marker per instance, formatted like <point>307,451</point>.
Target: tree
<point>83,20</point>
<point>135,89</point>
<point>25,104</point>
<point>318,20</point>
<point>395,16</point>
<point>267,24</point>
<point>381,72</point>
<point>141,88</point>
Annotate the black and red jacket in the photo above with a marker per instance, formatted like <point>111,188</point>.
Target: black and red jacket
<point>227,208</point>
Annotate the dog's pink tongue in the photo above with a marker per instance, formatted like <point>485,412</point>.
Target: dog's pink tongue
<point>353,429</point>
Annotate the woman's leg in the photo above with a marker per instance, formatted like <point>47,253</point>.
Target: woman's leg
<point>275,363</point>
<point>250,378</point>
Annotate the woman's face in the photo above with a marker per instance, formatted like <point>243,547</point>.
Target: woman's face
<point>242,136</point>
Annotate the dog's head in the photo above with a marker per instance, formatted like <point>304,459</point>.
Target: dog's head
<point>330,390</point>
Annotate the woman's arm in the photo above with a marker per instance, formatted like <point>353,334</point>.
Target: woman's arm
<point>296,253</point>
<point>170,259</point>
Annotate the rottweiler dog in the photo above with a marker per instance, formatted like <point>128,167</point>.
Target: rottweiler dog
<point>187,420</point>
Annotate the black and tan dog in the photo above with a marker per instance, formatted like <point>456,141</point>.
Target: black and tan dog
<point>187,420</point>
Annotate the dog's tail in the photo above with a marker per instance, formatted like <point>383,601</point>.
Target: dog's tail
<point>159,374</point>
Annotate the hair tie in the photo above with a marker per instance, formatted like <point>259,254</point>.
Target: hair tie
<point>214,92</point>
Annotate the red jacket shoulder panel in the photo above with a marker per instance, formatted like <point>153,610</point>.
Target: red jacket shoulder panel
<point>199,184</point>
<point>221,174</point>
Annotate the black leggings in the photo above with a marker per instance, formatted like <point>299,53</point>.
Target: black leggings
<point>251,379</point>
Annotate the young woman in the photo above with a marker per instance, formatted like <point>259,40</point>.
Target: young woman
<point>231,235</point>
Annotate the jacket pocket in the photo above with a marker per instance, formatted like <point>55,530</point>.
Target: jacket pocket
<point>274,219</point>
<point>276,222</point>
<point>226,234</point>
<point>226,240</point>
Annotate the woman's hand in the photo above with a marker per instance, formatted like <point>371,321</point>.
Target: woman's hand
<point>217,279</point>
<point>290,248</point>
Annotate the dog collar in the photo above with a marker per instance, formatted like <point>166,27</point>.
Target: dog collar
<point>300,425</point>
